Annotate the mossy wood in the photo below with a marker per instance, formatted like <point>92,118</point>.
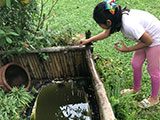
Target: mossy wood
<point>64,62</point>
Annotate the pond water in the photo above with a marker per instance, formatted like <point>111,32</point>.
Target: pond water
<point>63,101</point>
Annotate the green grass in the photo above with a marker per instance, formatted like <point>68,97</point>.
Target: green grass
<point>76,15</point>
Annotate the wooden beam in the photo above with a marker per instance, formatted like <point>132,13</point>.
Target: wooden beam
<point>105,109</point>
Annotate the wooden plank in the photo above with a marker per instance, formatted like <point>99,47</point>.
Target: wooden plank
<point>105,108</point>
<point>52,49</point>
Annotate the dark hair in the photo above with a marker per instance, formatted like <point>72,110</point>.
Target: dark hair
<point>100,15</point>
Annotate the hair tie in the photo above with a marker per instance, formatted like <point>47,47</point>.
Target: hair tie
<point>111,6</point>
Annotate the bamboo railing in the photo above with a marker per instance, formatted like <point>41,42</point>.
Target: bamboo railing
<point>62,62</point>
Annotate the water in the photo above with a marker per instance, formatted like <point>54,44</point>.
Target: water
<point>63,101</point>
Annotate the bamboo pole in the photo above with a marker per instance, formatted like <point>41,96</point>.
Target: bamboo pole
<point>64,64</point>
<point>47,66</point>
<point>51,49</point>
<point>61,64</point>
<point>105,108</point>
<point>57,62</point>
<point>39,68</point>
<point>68,64</point>
<point>52,65</point>
<point>36,65</point>
<point>55,65</point>
<point>71,64</point>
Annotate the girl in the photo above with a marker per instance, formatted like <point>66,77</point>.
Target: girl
<point>141,27</point>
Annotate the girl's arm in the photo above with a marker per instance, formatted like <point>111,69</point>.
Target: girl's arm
<point>95,38</point>
<point>145,41</point>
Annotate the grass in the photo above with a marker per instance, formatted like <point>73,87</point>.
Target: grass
<point>76,15</point>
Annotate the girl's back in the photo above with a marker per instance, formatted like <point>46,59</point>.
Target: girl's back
<point>136,22</point>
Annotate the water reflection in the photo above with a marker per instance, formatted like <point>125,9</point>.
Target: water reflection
<point>64,101</point>
<point>74,111</point>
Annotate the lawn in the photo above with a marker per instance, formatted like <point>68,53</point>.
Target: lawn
<point>114,67</point>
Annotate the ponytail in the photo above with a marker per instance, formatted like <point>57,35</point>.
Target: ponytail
<point>117,20</point>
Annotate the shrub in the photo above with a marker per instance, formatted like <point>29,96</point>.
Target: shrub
<point>14,104</point>
<point>17,21</point>
<point>23,26</point>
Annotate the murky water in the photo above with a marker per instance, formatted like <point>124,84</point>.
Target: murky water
<point>63,101</point>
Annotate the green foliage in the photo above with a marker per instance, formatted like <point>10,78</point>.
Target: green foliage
<point>123,105</point>
<point>14,104</point>
<point>24,26</point>
<point>16,21</point>
<point>114,76</point>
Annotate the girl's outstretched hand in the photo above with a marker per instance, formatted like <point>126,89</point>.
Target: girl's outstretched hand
<point>83,42</point>
<point>124,48</point>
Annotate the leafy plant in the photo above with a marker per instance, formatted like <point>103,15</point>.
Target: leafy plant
<point>14,104</point>
<point>23,26</point>
<point>17,19</point>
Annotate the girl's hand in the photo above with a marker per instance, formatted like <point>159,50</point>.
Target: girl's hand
<point>123,49</point>
<point>83,42</point>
